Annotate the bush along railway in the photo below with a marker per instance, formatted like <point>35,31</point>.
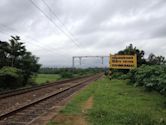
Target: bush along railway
<point>30,104</point>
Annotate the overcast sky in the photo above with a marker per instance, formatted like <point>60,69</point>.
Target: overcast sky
<point>84,27</point>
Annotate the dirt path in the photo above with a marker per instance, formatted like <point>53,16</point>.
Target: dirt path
<point>87,105</point>
<point>75,119</point>
<point>70,120</point>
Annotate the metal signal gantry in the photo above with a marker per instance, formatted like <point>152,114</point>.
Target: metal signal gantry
<point>80,59</point>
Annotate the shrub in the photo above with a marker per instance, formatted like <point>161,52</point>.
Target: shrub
<point>66,75</point>
<point>10,77</point>
<point>119,75</point>
<point>151,77</point>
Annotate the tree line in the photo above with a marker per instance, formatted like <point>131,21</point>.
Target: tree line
<point>151,60</point>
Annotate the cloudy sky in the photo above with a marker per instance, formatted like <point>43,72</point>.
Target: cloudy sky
<point>56,30</point>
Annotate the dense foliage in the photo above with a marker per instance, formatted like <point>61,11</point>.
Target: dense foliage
<point>119,75</point>
<point>151,77</point>
<point>156,60</point>
<point>66,75</point>
<point>17,65</point>
<point>10,77</point>
<point>130,50</point>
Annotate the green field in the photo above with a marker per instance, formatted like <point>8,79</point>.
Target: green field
<point>116,103</point>
<point>43,78</point>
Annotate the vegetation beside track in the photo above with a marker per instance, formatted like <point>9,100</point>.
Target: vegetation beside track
<point>150,73</point>
<point>52,74</point>
<point>116,103</point>
<point>47,70</point>
<point>45,78</point>
<point>150,77</point>
<point>70,72</point>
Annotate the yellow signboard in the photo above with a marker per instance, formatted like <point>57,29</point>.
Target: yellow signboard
<point>123,61</point>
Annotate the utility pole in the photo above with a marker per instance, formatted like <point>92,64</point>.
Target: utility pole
<point>73,62</point>
<point>80,58</point>
<point>102,60</point>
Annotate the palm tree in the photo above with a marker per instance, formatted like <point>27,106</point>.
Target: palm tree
<point>17,49</point>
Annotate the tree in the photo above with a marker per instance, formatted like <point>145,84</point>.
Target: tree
<point>16,49</point>
<point>29,64</point>
<point>156,60</point>
<point>13,54</point>
<point>130,50</point>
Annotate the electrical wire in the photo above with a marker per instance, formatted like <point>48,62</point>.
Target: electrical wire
<point>59,28</point>
<point>55,15</point>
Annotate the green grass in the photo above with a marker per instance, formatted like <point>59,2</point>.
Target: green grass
<point>116,103</point>
<point>43,78</point>
<point>51,123</point>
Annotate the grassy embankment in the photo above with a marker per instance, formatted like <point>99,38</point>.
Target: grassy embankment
<point>114,103</point>
<point>43,78</point>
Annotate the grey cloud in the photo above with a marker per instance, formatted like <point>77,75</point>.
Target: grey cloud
<point>16,11</point>
<point>100,27</point>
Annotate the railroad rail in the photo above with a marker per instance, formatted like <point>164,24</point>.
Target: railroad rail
<point>25,114</point>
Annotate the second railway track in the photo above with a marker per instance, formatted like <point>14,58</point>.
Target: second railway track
<point>26,112</point>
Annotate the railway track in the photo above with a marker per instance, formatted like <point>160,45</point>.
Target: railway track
<point>27,112</point>
<point>36,87</point>
<point>18,98</point>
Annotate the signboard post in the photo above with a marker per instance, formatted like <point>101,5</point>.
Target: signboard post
<point>123,62</point>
